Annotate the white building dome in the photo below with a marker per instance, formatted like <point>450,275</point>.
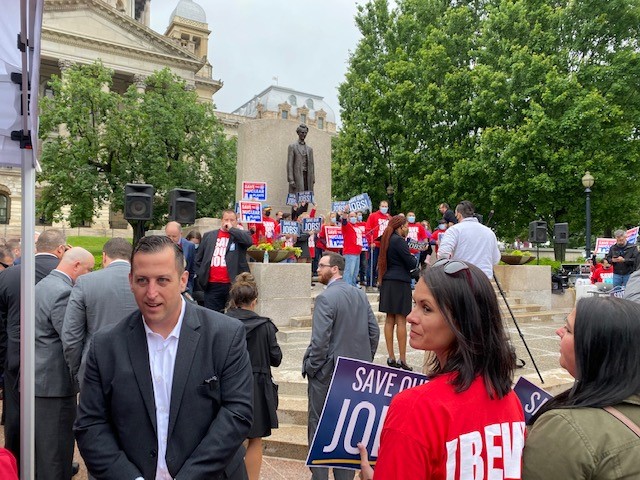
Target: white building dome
<point>189,10</point>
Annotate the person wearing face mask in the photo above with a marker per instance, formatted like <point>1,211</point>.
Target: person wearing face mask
<point>376,224</point>
<point>437,233</point>
<point>352,236</point>
<point>362,226</point>
<point>330,221</point>
<point>417,233</point>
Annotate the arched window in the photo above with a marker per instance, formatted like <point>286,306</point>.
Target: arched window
<point>293,100</point>
<point>5,204</point>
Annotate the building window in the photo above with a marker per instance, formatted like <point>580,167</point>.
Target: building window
<point>293,100</point>
<point>285,114</point>
<point>4,209</point>
<point>303,118</point>
<point>320,123</point>
<point>309,104</point>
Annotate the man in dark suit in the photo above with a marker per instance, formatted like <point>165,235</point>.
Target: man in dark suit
<point>98,299</point>
<point>50,247</point>
<point>55,402</point>
<point>343,325</point>
<point>174,232</point>
<point>167,392</point>
<point>222,255</point>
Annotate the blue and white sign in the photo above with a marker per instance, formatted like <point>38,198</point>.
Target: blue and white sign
<point>289,227</point>
<point>531,396</point>
<point>360,203</point>
<point>311,225</point>
<point>418,245</point>
<point>250,212</point>
<point>354,411</point>
<point>339,206</point>
<point>305,197</point>
<point>292,199</point>
<point>254,191</point>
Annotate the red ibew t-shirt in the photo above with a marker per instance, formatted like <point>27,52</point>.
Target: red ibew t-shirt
<point>218,271</point>
<point>432,432</point>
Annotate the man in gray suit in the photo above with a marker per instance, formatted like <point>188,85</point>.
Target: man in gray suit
<point>55,402</point>
<point>98,299</point>
<point>343,325</point>
<point>167,392</point>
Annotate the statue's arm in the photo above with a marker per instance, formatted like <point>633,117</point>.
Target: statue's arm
<point>290,161</point>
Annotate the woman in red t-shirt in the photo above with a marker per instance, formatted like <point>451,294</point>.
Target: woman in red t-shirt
<point>466,417</point>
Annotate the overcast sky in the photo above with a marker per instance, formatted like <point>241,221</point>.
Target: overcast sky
<point>305,44</point>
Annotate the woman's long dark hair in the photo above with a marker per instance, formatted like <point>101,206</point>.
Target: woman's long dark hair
<point>482,347</point>
<point>605,335</point>
<point>395,223</point>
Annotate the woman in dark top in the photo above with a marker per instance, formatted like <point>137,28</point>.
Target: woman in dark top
<point>264,353</point>
<point>394,264</point>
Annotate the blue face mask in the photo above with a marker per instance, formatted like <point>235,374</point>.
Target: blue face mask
<point>353,219</point>
<point>333,219</point>
<point>411,219</point>
<point>359,218</point>
<point>384,209</point>
<point>442,227</point>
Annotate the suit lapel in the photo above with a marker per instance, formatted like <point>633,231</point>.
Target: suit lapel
<point>139,355</point>
<point>187,346</point>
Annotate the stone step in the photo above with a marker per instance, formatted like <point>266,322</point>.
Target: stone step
<point>307,320</point>
<point>540,316</point>
<point>520,307</point>
<point>287,441</point>
<point>293,409</point>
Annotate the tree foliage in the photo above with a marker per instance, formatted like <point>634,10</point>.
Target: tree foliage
<point>503,102</point>
<point>97,140</point>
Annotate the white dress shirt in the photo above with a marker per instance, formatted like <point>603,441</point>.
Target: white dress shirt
<point>471,242</point>
<point>162,359</point>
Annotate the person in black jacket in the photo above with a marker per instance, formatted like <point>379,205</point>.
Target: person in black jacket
<point>623,256</point>
<point>394,266</point>
<point>264,353</point>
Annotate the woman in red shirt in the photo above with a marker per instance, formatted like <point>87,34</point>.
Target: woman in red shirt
<point>466,417</point>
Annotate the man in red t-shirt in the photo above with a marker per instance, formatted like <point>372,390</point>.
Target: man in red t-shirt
<point>437,233</point>
<point>267,231</point>
<point>221,256</point>
<point>376,224</point>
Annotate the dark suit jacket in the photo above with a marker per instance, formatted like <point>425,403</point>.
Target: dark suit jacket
<point>189,251</point>
<point>236,256</point>
<point>211,401</point>
<point>10,305</point>
<point>52,377</point>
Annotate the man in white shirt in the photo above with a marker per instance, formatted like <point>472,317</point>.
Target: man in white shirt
<point>470,241</point>
<point>167,392</point>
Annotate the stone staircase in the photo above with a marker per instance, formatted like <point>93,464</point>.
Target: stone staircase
<point>290,439</point>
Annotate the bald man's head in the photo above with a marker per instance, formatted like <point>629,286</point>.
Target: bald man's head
<point>173,230</point>
<point>75,262</point>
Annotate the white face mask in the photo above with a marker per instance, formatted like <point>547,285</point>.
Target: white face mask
<point>411,219</point>
<point>384,209</point>
<point>333,220</point>
<point>353,219</point>
<point>442,227</point>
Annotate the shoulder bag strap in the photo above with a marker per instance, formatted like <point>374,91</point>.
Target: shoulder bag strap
<point>624,419</point>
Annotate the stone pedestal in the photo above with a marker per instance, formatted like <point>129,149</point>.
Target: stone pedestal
<point>532,283</point>
<point>284,290</point>
<point>262,157</point>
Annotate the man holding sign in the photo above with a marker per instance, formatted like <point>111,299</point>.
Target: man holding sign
<point>343,325</point>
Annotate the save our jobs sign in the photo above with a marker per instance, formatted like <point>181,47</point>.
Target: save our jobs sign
<point>354,411</point>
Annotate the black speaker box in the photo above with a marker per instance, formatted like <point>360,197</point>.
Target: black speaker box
<point>182,205</point>
<point>538,231</point>
<point>138,201</point>
<point>561,233</point>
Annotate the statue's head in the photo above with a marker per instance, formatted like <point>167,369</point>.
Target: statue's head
<point>302,129</point>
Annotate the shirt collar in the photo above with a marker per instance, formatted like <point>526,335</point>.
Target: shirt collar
<point>176,330</point>
<point>62,273</point>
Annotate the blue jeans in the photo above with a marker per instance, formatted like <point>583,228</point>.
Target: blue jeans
<point>351,266</point>
<point>620,280</point>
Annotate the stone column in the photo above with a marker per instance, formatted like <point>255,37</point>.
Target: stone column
<point>140,81</point>
<point>64,65</point>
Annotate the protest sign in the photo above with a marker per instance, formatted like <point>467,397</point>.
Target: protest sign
<point>254,191</point>
<point>413,244</point>
<point>365,244</point>
<point>250,212</point>
<point>632,235</point>
<point>289,227</point>
<point>360,203</point>
<point>339,206</point>
<point>311,225</point>
<point>305,197</point>
<point>354,411</point>
<point>292,199</point>
<point>531,396</point>
<point>334,237</point>
<point>603,245</point>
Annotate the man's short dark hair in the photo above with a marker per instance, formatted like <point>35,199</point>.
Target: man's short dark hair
<point>228,210</point>
<point>118,248</point>
<point>336,260</point>
<point>465,208</point>
<point>50,240</point>
<point>13,243</point>
<point>156,244</point>
<point>445,205</point>
<point>6,251</point>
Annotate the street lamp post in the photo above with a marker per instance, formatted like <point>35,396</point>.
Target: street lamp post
<point>587,182</point>
<point>390,192</point>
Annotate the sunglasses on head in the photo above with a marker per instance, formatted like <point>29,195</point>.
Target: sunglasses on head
<point>452,267</point>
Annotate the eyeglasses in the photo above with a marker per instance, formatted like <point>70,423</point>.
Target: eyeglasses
<point>4,265</point>
<point>321,265</point>
<point>452,267</point>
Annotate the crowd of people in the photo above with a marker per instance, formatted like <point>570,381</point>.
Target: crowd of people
<point>152,385</point>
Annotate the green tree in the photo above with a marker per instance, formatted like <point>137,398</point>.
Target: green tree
<point>163,137</point>
<point>504,102</point>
